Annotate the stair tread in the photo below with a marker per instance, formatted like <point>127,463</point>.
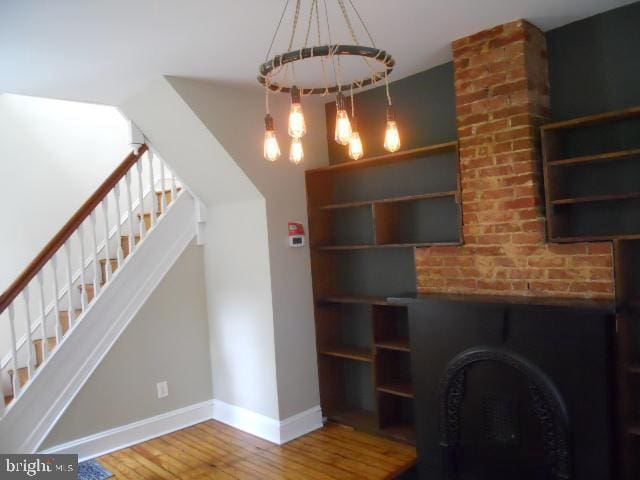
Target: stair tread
<point>7,400</point>
<point>23,373</point>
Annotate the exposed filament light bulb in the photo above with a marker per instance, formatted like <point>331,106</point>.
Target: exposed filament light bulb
<point>391,135</point>
<point>355,143</point>
<point>297,126</point>
<point>296,154</point>
<point>271,147</point>
<point>343,125</point>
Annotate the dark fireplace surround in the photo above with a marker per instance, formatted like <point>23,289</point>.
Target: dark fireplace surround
<point>512,388</point>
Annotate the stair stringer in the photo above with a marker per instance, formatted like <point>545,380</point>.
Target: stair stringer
<point>48,394</point>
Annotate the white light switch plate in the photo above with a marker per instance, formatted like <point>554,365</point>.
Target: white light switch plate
<point>163,389</point>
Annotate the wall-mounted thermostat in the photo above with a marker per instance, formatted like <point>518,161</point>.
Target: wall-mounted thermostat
<point>296,234</point>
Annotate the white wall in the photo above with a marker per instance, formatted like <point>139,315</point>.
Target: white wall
<point>53,155</point>
<point>166,340</point>
<point>260,306</point>
<point>235,116</point>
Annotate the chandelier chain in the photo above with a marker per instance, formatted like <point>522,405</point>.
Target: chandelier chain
<point>364,25</point>
<point>273,39</point>
<point>324,71</point>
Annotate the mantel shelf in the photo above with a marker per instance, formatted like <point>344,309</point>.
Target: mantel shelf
<point>597,198</point>
<point>405,198</point>
<point>596,158</point>
<point>388,245</point>
<point>358,299</point>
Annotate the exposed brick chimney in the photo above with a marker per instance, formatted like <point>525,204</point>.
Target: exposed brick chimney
<point>502,92</point>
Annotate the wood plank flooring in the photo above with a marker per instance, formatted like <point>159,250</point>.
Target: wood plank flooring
<point>213,450</point>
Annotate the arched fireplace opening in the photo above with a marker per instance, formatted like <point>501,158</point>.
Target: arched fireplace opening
<point>501,417</point>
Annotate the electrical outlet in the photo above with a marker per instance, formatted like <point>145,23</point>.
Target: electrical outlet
<point>163,389</point>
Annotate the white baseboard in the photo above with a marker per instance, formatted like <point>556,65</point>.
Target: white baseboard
<point>268,428</point>
<point>121,437</point>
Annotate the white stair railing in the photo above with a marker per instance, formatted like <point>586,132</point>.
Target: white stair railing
<point>74,294</point>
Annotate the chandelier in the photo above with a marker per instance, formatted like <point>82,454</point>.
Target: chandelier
<point>277,75</point>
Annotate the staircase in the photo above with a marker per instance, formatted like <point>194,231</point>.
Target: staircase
<point>91,297</point>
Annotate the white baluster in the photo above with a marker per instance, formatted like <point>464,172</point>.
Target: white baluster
<point>31,358</point>
<point>143,226</point>
<point>105,214</point>
<point>174,190</point>
<point>163,199</point>
<point>43,317</point>
<point>56,293</point>
<point>97,280</point>
<point>14,352</point>
<point>119,252</point>
<point>130,207</point>
<point>83,292</point>
<point>152,191</point>
<point>72,312</point>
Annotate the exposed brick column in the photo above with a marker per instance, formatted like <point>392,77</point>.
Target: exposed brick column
<point>502,92</point>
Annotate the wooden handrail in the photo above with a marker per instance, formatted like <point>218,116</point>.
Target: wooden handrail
<point>71,226</point>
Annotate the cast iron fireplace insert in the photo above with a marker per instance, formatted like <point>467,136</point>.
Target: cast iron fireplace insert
<point>512,388</point>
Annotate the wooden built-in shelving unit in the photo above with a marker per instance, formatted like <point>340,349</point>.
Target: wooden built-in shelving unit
<point>365,219</point>
<point>592,177</point>
<point>627,271</point>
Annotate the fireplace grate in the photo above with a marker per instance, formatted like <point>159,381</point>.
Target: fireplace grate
<point>500,420</point>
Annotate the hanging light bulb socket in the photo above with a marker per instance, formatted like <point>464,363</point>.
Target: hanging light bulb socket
<point>391,135</point>
<point>271,147</point>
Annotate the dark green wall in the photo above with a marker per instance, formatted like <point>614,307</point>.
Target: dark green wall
<point>594,67</point>
<point>425,102</point>
<point>594,64</point>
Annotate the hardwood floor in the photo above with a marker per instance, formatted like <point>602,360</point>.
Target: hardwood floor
<point>216,451</point>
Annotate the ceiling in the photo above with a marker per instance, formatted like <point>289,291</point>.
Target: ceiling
<point>104,50</point>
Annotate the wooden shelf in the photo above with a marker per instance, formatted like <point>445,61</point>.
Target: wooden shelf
<point>401,345</point>
<point>634,369</point>
<point>356,418</point>
<point>390,158</point>
<point>350,353</point>
<point>366,300</point>
<point>405,198</point>
<point>388,245</point>
<point>635,431</point>
<point>593,119</point>
<point>597,198</point>
<point>402,431</point>
<point>596,158</point>
<point>399,389</point>
<point>593,238</point>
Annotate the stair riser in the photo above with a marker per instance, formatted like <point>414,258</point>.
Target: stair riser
<point>103,270</point>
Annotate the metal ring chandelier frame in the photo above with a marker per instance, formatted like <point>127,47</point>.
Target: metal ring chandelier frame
<point>329,51</point>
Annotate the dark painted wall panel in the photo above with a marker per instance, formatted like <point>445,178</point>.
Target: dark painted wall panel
<point>594,64</point>
<point>425,109</point>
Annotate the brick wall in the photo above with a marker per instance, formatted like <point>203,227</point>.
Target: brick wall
<point>502,93</point>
